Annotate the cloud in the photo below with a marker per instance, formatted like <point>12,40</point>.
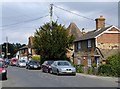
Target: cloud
<point>15,12</point>
<point>17,36</point>
<point>59,1</point>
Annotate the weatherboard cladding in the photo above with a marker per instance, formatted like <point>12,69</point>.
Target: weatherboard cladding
<point>92,34</point>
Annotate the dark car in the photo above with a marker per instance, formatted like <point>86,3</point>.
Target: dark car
<point>46,66</point>
<point>7,61</point>
<point>33,65</point>
<point>3,71</point>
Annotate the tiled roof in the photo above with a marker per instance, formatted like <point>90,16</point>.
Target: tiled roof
<point>74,30</point>
<point>24,47</point>
<point>92,34</point>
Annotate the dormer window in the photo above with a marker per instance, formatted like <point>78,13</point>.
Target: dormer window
<point>89,43</point>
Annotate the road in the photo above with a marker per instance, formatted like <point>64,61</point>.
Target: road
<point>21,77</point>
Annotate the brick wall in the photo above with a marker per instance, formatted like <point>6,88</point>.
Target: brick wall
<point>108,41</point>
<point>109,38</point>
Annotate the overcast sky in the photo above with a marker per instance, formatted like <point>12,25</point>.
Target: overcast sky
<point>19,20</point>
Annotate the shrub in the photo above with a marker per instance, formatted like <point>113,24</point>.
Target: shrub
<point>79,68</point>
<point>36,58</point>
<point>105,69</point>
<point>94,65</point>
<point>114,61</point>
<point>90,70</point>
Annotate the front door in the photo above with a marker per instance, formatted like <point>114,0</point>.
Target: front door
<point>97,61</point>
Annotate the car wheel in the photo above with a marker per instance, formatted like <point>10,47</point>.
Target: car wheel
<point>57,72</point>
<point>28,67</point>
<point>47,70</point>
<point>51,72</point>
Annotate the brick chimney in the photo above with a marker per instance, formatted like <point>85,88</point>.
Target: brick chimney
<point>30,41</point>
<point>100,22</point>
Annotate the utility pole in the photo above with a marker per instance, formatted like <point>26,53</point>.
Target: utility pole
<point>51,13</point>
<point>6,47</point>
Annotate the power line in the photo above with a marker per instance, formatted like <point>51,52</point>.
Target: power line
<point>73,13</point>
<point>77,14</point>
<point>25,21</point>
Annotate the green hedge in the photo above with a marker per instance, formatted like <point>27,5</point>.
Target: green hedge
<point>105,69</point>
<point>79,68</point>
<point>36,58</point>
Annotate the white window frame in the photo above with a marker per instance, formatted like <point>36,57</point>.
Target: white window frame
<point>89,43</point>
<point>79,45</point>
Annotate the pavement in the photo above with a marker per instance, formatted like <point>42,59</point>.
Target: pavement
<point>99,77</point>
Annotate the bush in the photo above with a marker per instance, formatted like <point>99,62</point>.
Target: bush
<point>90,70</point>
<point>94,65</point>
<point>105,69</point>
<point>36,58</point>
<point>79,68</point>
<point>114,61</point>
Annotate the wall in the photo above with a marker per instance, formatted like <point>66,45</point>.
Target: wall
<point>108,41</point>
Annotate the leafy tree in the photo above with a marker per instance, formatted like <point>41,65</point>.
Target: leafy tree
<point>12,48</point>
<point>52,43</point>
<point>114,61</point>
<point>17,46</point>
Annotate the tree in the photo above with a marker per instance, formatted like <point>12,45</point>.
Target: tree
<point>114,61</point>
<point>12,49</point>
<point>52,43</point>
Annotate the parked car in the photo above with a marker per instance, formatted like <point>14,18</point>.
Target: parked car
<point>63,67</point>
<point>21,63</point>
<point>3,60</point>
<point>3,71</point>
<point>33,65</point>
<point>46,66</point>
<point>13,61</point>
<point>7,61</point>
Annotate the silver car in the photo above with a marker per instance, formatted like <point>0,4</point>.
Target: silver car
<point>21,63</point>
<point>63,67</point>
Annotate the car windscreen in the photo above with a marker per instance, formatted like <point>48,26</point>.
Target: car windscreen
<point>34,62</point>
<point>50,62</point>
<point>22,61</point>
<point>63,64</point>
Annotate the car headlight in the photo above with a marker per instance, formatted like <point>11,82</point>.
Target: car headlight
<point>3,71</point>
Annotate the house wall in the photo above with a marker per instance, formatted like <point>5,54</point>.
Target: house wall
<point>108,41</point>
<point>84,45</point>
<point>84,53</point>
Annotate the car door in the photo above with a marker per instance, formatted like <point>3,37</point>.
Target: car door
<point>54,67</point>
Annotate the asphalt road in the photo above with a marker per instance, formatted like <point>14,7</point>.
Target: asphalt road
<point>21,77</point>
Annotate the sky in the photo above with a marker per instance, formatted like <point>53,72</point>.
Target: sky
<point>20,19</point>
